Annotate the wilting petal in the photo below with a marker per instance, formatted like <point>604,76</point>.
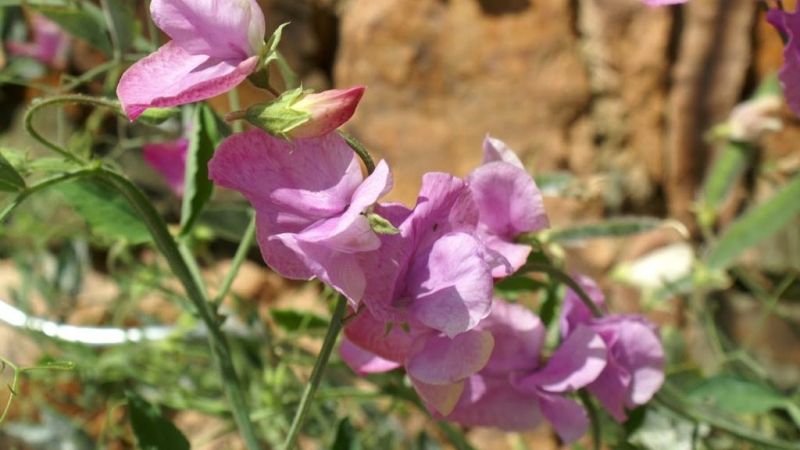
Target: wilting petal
<point>574,311</point>
<point>442,398</point>
<point>307,178</point>
<point>577,362</point>
<point>518,338</point>
<point>451,285</point>
<point>493,402</point>
<point>789,25</point>
<point>169,159</point>
<point>633,344</point>
<point>223,29</point>
<point>363,362</point>
<point>567,416</point>
<point>497,150</point>
<point>508,199</point>
<point>443,360</point>
<point>370,334</point>
<point>171,77</point>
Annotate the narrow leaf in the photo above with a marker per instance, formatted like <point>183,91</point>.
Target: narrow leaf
<point>10,180</point>
<point>152,430</point>
<point>757,224</point>
<point>122,23</point>
<point>294,320</point>
<point>732,394</point>
<point>346,436</point>
<point>207,131</point>
<point>107,213</point>
<point>725,172</point>
<point>612,228</point>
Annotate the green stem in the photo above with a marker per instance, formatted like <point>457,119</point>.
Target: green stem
<point>238,259</point>
<point>360,150</point>
<point>57,100</point>
<point>219,345</point>
<point>44,184</point>
<point>12,388</point>
<point>594,419</point>
<point>563,278</point>
<point>673,400</point>
<point>316,374</point>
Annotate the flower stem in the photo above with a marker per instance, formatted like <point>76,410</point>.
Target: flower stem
<point>238,259</point>
<point>563,278</point>
<point>316,374</point>
<point>219,345</point>
<point>360,150</point>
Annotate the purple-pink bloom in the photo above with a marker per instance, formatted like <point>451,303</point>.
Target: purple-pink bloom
<point>169,159</point>
<point>310,199</point>
<point>215,45</point>
<point>328,110</point>
<point>509,202</point>
<point>635,369</point>
<point>50,43</point>
<point>514,391</point>
<point>663,2</point>
<point>788,24</point>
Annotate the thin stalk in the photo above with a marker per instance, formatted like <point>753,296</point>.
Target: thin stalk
<point>12,388</point>
<point>238,259</point>
<point>235,105</point>
<point>316,374</point>
<point>44,184</point>
<point>563,278</point>
<point>594,419</point>
<point>360,150</point>
<point>61,99</point>
<point>179,266</point>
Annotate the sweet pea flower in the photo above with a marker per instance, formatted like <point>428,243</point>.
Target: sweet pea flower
<point>509,202</point>
<point>296,114</point>
<point>788,24</point>
<point>215,45</point>
<point>663,2</point>
<point>49,46</point>
<point>169,159</point>
<point>311,202</point>
<point>514,391</point>
<point>635,369</point>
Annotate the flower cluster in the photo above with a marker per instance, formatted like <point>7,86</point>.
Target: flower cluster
<point>422,294</point>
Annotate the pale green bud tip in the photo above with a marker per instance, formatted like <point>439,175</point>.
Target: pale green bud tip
<point>380,225</point>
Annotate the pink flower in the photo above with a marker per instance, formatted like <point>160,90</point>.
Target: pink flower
<point>310,200</point>
<point>215,45</point>
<point>635,369</point>
<point>509,202</point>
<point>298,115</point>
<point>788,24</point>
<point>169,159</point>
<point>50,43</point>
<point>663,2</point>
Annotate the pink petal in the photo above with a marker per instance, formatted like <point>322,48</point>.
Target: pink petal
<point>228,30</point>
<point>442,398</point>
<point>612,389</point>
<point>171,77</point>
<point>363,362</point>
<point>574,311</point>
<point>518,337</point>
<point>508,199</point>
<point>295,182</point>
<point>497,150</point>
<point>789,25</point>
<point>329,110</point>
<point>493,402</point>
<point>663,2</point>
<point>451,285</point>
<point>567,416</point>
<point>443,360</point>
<point>370,334</point>
<point>169,159</point>
<point>577,362</point>
<point>511,256</point>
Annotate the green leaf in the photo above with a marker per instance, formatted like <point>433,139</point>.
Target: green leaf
<point>725,172</point>
<point>621,227</point>
<point>122,23</point>
<point>152,430</point>
<point>512,287</point>
<point>208,130</point>
<point>10,180</point>
<point>757,224</point>
<point>346,436</point>
<point>107,212</point>
<point>732,394</point>
<point>86,23</point>
<point>294,320</point>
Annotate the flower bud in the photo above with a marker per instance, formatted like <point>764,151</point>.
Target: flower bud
<point>298,115</point>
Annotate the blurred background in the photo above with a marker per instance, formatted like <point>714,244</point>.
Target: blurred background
<point>613,106</point>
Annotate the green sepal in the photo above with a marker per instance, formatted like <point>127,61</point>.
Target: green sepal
<point>277,117</point>
<point>380,225</point>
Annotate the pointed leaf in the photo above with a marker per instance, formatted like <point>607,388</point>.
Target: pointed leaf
<point>736,395</point>
<point>152,430</point>
<point>621,227</point>
<point>757,224</point>
<point>207,131</point>
<point>10,180</point>
<point>294,320</point>
<point>123,23</point>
